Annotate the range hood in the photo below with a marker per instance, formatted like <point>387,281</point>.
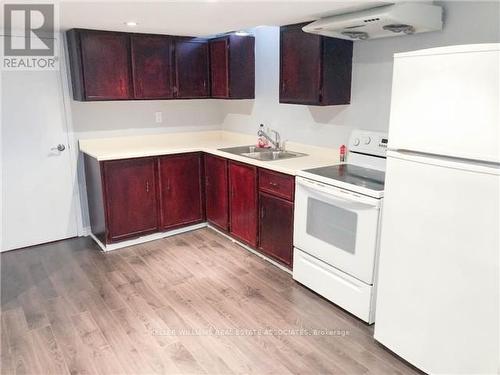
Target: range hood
<point>380,22</point>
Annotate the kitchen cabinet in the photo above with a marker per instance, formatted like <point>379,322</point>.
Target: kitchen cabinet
<point>181,190</point>
<point>108,65</point>
<point>276,228</point>
<point>275,183</point>
<point>232,67</point>
<point>314,69</point>
<point>152,65</point>
<point>130,197</point>
<point>276,195</point>
<point>192,69</point>
<point>100,65</point>
<point>243,202</point>
<point>217,191</point>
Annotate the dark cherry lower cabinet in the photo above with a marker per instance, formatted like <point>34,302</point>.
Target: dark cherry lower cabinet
<point>181,190</point>
<point>276,195</point>
<point>243,202</point>
<point>276,228</point>
<point>314,69</point>
<point>130,197</point>
<point>217,191</point>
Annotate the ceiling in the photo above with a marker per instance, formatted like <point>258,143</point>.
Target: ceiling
<point>198,18</point>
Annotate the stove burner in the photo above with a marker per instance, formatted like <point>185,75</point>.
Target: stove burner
<point>352,174</point>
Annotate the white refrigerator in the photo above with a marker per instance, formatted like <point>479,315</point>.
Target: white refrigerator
<point>438,280</point>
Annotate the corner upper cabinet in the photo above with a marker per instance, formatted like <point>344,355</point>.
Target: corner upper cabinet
<point>100,65</point>
<point>232,67</point>
<point>192,68</point>
<point>314,69</point>
<point>152,62</point>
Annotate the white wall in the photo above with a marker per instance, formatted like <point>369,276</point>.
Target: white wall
<point>464,23</point>
<point>121,118</point>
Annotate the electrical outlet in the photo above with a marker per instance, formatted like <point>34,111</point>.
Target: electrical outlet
<point>158,117</point>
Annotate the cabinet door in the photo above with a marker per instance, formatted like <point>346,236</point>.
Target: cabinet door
<point>243,202</point>
<point>300,66</point>
<point>131,199</point>
<point>276,228</point>
<point>191,61</point>
<point>181,197</point>
<point>217,191</point>
<point>241,67</point>
<point>152,66</point>
<point>219,68</point>
<point>106,65</point>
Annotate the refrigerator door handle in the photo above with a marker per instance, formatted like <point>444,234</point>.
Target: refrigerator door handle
<point>445,161</point>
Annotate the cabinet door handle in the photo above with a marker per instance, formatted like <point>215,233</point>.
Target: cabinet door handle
<point>273,184</point>
<point>262,213</point>
<point>147,186</point>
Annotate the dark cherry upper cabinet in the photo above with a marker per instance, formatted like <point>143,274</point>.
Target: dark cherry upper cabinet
<point>181,190</point>
<point>130,197</point>
<point>276,228</point>
<point>217,191</point>
<point>314,69</point>
<point>232,67</point>
<point>152,71</point>
<point>100,65</point>
<point>192,69</point>
<point>243,202</point>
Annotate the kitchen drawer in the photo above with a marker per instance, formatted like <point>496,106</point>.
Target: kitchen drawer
<point>276,183</point>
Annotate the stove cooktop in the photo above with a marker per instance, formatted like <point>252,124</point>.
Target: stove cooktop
<point>350,176</point>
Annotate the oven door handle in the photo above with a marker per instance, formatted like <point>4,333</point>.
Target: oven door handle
<point>343,198</point>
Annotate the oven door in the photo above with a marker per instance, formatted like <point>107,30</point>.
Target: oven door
<point>337,226</point>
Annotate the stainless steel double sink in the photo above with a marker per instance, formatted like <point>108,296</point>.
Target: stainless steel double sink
<point>264,154</point>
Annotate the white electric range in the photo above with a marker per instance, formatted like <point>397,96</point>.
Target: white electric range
<point>337,225</point>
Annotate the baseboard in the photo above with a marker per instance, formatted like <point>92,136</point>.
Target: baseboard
<point>143,239</point>
<point>248,248</point>
<point>84,232</point>
<point>160,235</point>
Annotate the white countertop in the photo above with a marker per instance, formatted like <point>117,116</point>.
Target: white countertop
<point>209,142</point>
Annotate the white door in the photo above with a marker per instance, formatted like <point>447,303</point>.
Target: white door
<point>438,290</point>
<point>445,102</point>
<point>38,186</point>
<point>337,226</point>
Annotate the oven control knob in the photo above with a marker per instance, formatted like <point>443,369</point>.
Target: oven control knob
<point>367,140</point>
<point>356,142</point>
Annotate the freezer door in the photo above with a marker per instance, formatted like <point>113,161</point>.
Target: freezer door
<point>438,281</point>
<point>446,102</point>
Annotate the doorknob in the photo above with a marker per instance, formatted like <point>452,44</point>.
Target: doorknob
<point>59,147</point>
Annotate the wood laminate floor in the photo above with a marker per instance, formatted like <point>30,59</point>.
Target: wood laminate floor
<point>195,303</point>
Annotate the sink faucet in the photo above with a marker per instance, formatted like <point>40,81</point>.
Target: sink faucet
<point>276,142</point>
